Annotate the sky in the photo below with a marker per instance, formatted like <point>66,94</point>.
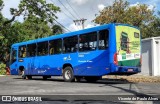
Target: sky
<point>78,9</point>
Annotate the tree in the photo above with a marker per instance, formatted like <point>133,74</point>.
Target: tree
<point>153,28</point>
<point>37,15</point>
<point>120,12</point>
<point>32,8</point>
<point>56,29</point>
<point>34,28</point>
<point>39,8</point>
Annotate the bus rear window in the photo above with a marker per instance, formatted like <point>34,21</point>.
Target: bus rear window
<point>103,39</point>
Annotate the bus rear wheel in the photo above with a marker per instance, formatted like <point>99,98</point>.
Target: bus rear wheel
<point>68,75</point>
<point>92,78</point>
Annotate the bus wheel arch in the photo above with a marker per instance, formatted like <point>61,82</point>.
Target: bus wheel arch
<point>68,74</point>
<point>66,65</point>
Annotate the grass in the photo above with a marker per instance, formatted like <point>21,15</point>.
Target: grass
<point>2,69</point>
<point>2,72</point>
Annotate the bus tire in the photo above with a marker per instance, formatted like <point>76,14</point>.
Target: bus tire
<point>28,77</point>
<point>92,79</point>
<point>68,74</point>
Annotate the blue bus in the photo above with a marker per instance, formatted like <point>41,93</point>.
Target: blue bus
<point>110,49</point>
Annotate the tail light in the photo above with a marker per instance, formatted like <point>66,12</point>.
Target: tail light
<point>115,59</point>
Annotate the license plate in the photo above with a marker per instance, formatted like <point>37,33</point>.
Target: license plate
<point>130,70</point>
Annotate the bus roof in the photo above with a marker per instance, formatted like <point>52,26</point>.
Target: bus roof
<point>101,27</point>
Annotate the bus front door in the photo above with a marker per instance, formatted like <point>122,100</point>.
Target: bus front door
<point>14,61</point>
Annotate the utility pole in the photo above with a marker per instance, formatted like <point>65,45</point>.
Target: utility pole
<point>81,21</point>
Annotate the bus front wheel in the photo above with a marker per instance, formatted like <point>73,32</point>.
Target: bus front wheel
<point>68,75</point>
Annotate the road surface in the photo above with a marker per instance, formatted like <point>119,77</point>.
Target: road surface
<point>54,89</point>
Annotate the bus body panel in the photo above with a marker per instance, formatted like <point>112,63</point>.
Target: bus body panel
<point>87,63</point>
<point>91,63</point>
<point>128,41</point>
<point>94,63</point>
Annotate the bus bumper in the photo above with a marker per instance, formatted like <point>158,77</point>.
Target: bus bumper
<point>125,70</point>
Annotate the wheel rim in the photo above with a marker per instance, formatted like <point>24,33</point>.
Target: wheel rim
<point>68,74</point>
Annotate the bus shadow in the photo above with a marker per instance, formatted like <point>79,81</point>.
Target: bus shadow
<point>41,79</point>
<point>102,81</point>
<point>113,81</point>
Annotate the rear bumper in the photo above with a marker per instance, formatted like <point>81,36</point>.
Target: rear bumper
<point>128,69</point>
<point>125,70</point>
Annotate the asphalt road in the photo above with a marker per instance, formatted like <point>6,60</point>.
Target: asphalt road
<point>55,89</point>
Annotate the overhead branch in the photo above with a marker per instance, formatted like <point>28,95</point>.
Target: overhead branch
<point>13,18</point>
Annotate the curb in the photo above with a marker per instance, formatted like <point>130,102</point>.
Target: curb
<point>2,75</point>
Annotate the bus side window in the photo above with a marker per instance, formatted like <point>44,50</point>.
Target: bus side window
<point>88,42</point>
<point>51,51</point>
<point>25,52</point>
<point>31,50</point>
<point>42,48</point>
<point>22,51</point>
<point>70,44</point>
<point>103,39</point>
<point>55,46</point>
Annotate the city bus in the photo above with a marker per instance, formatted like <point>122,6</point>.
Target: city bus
<point>110,49</point>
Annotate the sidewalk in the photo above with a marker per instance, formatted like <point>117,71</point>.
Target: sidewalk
<point>134,78</point>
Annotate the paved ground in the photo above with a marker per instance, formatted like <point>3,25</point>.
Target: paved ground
<point>76,91</point>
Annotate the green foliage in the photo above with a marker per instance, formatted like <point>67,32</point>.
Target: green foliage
<point>2,69</point>
<point>1,5</point>
<point>139,15</point>
<point>38,17</point>
<point>56,29</point>
<point>39,8</point>
<point>33,28</point>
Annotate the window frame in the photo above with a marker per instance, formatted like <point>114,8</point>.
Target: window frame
<point>45,45</point>
<point>29,49</point>
<point>89,33</point>
<point>107,41</point>
<point>24,51</point>
<point>71,37</point>
<point>49,42</point>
